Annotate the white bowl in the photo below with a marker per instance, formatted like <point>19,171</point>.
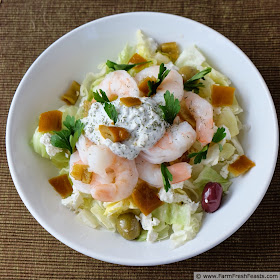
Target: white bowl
<point>78,53</point>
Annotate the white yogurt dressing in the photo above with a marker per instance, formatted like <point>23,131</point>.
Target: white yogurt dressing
<point>144,123</point>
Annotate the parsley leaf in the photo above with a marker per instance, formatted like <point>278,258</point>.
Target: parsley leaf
<point>67,138</point>
<point>199,156</point>
<point>192,84</point>
<point>111,112</point>
<point>108,107</point>
<point>163,72</point>
<point>114,66</point>
<point>171,108</point>
<point>100,97</point>
<point>219,135</point>
<point>166,177</point>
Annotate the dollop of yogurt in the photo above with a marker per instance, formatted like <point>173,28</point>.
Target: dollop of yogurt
<point>144,123</point>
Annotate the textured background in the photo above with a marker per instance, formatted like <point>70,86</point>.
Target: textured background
<point>27,28</point>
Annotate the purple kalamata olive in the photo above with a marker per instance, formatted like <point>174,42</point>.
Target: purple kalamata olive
<point>211,197</point>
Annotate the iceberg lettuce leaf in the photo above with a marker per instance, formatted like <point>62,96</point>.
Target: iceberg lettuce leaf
<point>37,145</point>
<point>207,175</point>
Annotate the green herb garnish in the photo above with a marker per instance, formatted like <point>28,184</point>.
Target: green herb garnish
<point>171,108</point>
<point>114,66</point>
<point>111,112</point>
<point>192,84</point>
<point>199,156</point>
<point>67,138</point>
<point>166,177</point>
<point>163,72</point>
<point>100,97</point>
<point>108,107</point>
<point>218,136</point>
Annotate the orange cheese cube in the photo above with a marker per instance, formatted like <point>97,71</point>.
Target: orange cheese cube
<point>72,94</point>
<point>137,58</point>
<point>171,49</point>
<point>222,96</point>
<point>241,165</point>
<point>50,121</point>
<point>62,185</point>
<point>130,101</point>
<point>143,85</point>
<point>146,197</point>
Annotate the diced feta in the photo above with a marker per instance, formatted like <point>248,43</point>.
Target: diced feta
<point>174,197</point>
<point>73,201</point>
<point>217,110</point>
<point>46,140</point>
<point>148,222</point>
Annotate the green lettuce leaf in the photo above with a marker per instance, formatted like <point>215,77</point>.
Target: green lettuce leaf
<point>59,160</point>
<point>210,175</point>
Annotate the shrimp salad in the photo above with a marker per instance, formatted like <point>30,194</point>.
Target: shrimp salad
<point>148,144</point>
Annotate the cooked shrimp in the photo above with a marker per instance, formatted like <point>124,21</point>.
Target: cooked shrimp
<point>83,145</point>
<point>202,111</point>
<point>119,83</point>
<point>175,142</point>
<point>124,177</point>
<point>114,178</point>
<point>173,82</point>
<point>151,173</point>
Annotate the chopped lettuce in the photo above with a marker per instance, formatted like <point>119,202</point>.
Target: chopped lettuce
<point>207,175</point>
<point>227,151</point>
<point>205,91</point>
<point>184,219</point>
<point>235,107</point>
<point>143,235</point>
<point>146,47</point>
<point>175,213</point>
<point>228,119</point>
<point>190,57</point>
<point>98,211</point>
<point>213,154</point>
<point>126,54</point>
<point>217,76</point>
<point>37,145</point>
<point>90,83</point>
<point>116,208</point>
<point>59,160</point>
<point>70,110</point>
<point>183,233</point>
<point>237,145</point>
<point>88,218</point>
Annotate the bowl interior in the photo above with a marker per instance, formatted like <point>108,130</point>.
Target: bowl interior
<point>78,53</point>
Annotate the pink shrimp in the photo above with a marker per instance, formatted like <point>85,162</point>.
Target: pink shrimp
<point>119,83</point>
<point>114,178</point>
<point>124,177</point>
<point>173,82</point>
<point>151,173</point>
<point>175,142</point>
<point>202,111</point>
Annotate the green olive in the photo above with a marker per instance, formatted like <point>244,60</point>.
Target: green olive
<point>128,226</point>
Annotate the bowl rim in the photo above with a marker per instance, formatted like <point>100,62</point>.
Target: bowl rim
<point>112,259</point>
